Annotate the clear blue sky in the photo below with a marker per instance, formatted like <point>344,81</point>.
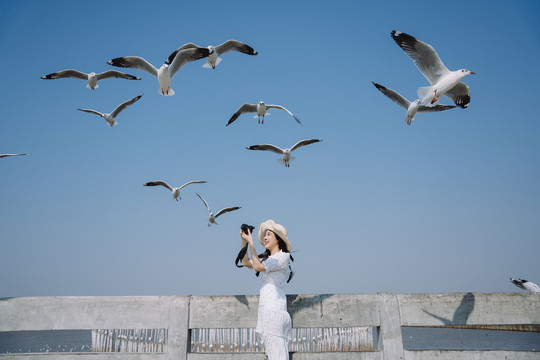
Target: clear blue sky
<point>448,204</point>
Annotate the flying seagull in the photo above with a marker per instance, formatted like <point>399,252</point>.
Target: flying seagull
<point>110,117</point>
<point>412,107</point>
<point>260,110</point>
<point>167,71</point>
<point>92,78</point>
<point>442,80</point>
<point>212,217</point>
<point>175,190</point>
<point>213,60</point>
<point>285,152</point>
<point>525,285</point>
<point>8,155</point>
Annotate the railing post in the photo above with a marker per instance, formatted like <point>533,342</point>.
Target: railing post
<point>390,339</point>
<point>178,336</point>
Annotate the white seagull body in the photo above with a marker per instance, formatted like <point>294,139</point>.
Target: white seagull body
<point>213,59</point>
<point>110,117</point>
<point>412,107</point>
<point>166,72</point>
<point>91,78</point>
<point>174,190</point>
<point>261,111</point>
<point>212,217</point>
<point>525,285</point>
<point>285,152</point>
<point>442,80</point>
<point>8,155</point>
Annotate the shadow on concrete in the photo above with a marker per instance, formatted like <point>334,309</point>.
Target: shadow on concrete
<point>461,314</point>
<point>298,302</point>
<point>242,299</point>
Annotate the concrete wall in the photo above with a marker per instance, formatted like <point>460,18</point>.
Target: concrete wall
<point>387,311</point>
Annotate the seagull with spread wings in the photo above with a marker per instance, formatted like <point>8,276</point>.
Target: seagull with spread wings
<point>442,80</point>
<point>166,72</point>
<point>174,190</point>
<point>261,111</point>
<point>213,60</point>
<point>412,107</point>
<point>212,217</point>
<point>285,152</point>
<point>110,117</point>
<point>91,78</point>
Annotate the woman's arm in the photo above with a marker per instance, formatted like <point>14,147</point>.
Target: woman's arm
<point>245,260</point>
<point>257,264</point>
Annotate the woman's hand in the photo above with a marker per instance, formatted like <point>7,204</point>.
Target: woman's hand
<point>246,238</point>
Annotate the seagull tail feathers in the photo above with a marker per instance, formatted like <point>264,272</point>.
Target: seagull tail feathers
<point>92,88</point>
<point>169,92</point>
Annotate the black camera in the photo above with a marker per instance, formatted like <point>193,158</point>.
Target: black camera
<point>245,228</point>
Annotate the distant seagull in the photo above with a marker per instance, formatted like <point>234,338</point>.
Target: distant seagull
<point>212,217</point>
<point>525,285</point>
<point>412,107</point>
<point>92,78</point>
<point>285,152</point>
<point>260,109</point>
<point>8,155</point>
<point>166,72</point>
<point>213,60</point>
<point>110,117</point>
<point>442,80</point>
<point>175,190</point>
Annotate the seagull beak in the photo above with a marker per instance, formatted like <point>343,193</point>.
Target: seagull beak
<point>473,73</point>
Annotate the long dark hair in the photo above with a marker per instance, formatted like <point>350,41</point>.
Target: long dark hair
<point>282,247</point>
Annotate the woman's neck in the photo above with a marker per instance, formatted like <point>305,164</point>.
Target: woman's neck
<point>275,250</point>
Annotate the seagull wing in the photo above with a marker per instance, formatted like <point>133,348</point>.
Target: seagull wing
<point>183,47</point>
<point>159,183</point>
<point>70,73</point>
<point>204,201</point>
<point>192,182</point>
<point>7,155</point>
<point>235,45</point>
<point>460,95</point>
<point>115,74</point>
<point>226,210</point>
<point>267,147</point>
<point>304,143</point>
<point>91,111</point>
<point>185,56</point>
<point>423,55</point>
<point>393,95</point>
<point>282,108</point>
<point>124,105</point>
<point>435,108</point>
<point>134,62</point>
<point>246,108</point>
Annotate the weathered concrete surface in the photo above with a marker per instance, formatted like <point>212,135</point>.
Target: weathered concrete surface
<point>178,314</point>
<point>65,313</point>
<point>333,310</point>
<point>390,338</point>
<point>469,309</point>
<point>84,356</point>
<point>471,355</point>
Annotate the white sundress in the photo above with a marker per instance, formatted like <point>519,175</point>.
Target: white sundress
<point>274,324</point>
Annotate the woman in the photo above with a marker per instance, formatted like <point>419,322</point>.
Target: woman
<point>273,322</point>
